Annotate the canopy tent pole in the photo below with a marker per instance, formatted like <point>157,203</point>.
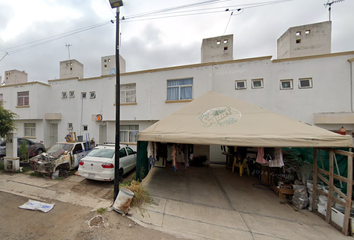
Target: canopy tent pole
<point>315,175</point>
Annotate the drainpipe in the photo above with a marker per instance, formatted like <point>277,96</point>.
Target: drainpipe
<point>351,83</point>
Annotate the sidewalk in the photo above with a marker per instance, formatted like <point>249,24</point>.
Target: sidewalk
<point>41,188</point>
<point>181,218</point>
<point>188,202</point>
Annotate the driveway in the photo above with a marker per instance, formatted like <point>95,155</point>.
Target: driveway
<point>214,203</point>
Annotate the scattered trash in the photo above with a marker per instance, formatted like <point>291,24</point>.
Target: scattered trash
<point>300,199</point>
<point>96,221</point>
<point>35,205</point>
<point>130,226</point>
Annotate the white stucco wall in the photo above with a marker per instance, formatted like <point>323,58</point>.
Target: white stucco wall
<point>15,77</point>
<point>71,68</point>
<point>312,39</point>
<point>217,49</point>
<point>330,93</point>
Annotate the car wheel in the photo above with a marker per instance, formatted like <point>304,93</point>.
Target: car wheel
<point>121,172</point>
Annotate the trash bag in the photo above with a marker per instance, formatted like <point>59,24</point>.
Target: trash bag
<point>300,199</point>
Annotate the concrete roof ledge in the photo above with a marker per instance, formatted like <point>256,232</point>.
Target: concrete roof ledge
<point>334,118</point>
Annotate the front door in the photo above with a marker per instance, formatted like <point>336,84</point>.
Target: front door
<point>102,134</point>
<point>53,134</point>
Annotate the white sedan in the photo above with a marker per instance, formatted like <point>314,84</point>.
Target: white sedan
<point>99,163</point>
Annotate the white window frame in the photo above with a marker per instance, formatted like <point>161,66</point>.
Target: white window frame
<point>64,95</point>
<point>71,94</point>
<point>240,81</point>
<point>257,87</point>
<point>179,88</point>
<point>92,95</point>
<point>123,93</point>
<point>31,129</point>
<point>286,80</point>
<point>132,131</point>
<point>23,98</point>
<point>83,95</point>
<point>305,79</point>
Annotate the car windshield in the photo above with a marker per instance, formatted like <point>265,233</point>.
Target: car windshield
<point>102,152</point>
<point>57,146</point>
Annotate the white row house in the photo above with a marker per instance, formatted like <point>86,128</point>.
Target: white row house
<point>315,87</point>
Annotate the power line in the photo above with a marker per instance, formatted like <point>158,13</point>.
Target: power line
<point>37,43</point>
<point>201,11</point>
<point>110,9</point>
<point>175,8</point>
<point>162,13</point>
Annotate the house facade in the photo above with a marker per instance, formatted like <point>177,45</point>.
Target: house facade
<point>315,89</point>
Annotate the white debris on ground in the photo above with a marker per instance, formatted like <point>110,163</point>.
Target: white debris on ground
<point>35,205</point>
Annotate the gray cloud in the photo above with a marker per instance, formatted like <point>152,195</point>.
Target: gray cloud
<point>144,44</point>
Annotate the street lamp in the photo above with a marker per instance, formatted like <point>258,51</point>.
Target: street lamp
<point>117,4</point>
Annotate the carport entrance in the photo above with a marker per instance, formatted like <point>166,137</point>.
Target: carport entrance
<point>218,187</point>
<point>215,119</point>
<point>214,203</point>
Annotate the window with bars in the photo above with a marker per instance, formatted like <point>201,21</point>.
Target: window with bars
<point>128,93</point>
<point>240,84</point>
<point>257,83</point>
<point>23,98</point>
<point>92,95</point>
<point>128,133</point>
<point>30,129</point>
<point>286,84</point>
<point>180,89</point>
<point>305,83</point>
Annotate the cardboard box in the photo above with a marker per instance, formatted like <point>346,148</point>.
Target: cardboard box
<point>286,189</point>
<point>265,176</point>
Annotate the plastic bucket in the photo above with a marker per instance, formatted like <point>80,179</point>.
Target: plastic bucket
<point>123,200</point>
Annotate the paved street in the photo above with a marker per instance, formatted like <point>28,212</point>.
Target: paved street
<point>66,221</point>
<point>211,203</point>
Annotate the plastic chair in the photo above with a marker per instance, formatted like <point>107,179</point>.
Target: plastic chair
<point>241,165</point>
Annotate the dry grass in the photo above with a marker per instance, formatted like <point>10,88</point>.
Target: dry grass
<point>141,195</point>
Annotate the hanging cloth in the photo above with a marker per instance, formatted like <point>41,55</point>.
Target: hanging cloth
<point>260,155</point>
<point>278,158</point>
<point>151,149</point>
<point>174,157</point>
<point>185,155</point>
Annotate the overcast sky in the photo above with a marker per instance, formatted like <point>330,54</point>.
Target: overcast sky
<point>147,44</point>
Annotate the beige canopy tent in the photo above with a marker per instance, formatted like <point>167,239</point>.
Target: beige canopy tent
<point>216,119</point>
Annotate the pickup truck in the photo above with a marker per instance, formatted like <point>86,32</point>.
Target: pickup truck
<point>61,156</point>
